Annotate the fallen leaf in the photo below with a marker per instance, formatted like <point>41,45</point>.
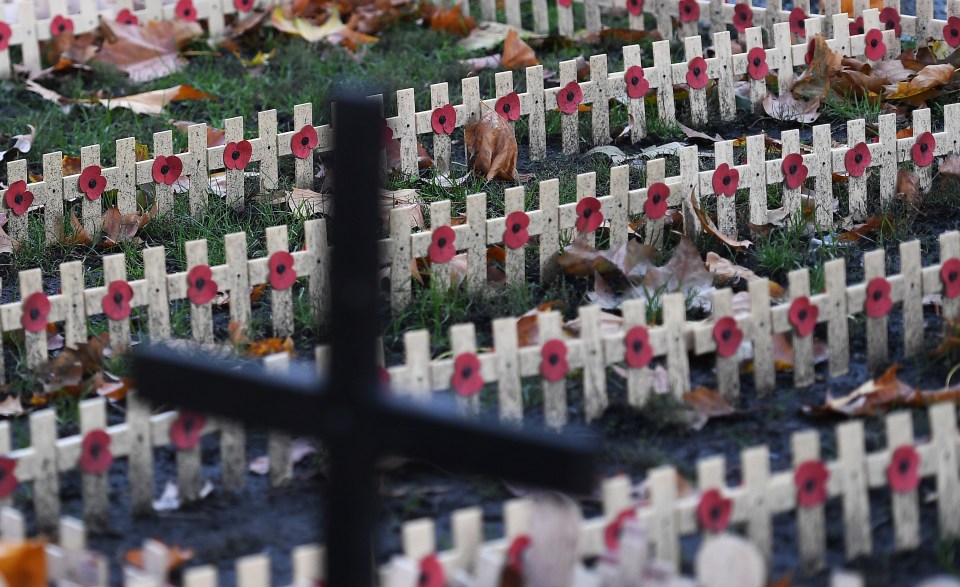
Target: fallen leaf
<point>517,54</point>
<point>858,232</point>
<point>874,397</point>
<point>23,564</point>
<point>176,556</point>
<point>270,346</point>
<point>216,137</point>
<point>307,29</point>
<point>908,187</point>
<point>170,498</point>
<point>704,404</point>
<point>528,326</point>
<point>725,270</point>
<point>950,165</point>
<point>154,102</point>
<point>10,406</point>
<point>149,51</point>
<point>393,156</point>
<point>783,353</point>
<point>447,19</point>
<point>492,147</point>
<point>825,64</point>
<point>787,108</point>
<point>919,87</point>
<point>710,228</point>
<point>299,450</point>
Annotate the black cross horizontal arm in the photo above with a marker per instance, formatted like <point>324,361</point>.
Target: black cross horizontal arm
<point>426,431</point>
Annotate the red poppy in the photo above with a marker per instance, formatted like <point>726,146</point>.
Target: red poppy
<point>95,456</point>
<point>304,141</point>
<point>638,353</point>
<point>757,67</point>
<point>5,33</point>
<point>689,11</point>
<point>444,119</point>
<point>518,547</point>
<point>92,182</point>
<point>186,11</point>
<point>508,107</point>
<point>798,26</point>
<point>442,245</point>
<point>923,149</point>
<point>951,32</point>
<point>589,216</point>
<point>656,205</point>
<point>516,235</point>
<point>857,159</point>
<point>60,24</point>
<point>8,477</point>
<point>725,180</point>
<point>237,155</point>
<point>803,315</point>
<point>167,170</point>
<point>714,510</point>
<point>903,474</point>
<point>950,276</point>
<point>637,84</point>
<point>611,534</point>
<point>811,47</point>
<point>387,134</point>
<point>742,17</point>
<point>697,73</point>
<point>186,429</point>
<point>200,285</point>
<point>18,198</point>
<point>728,336</point>
<point>856,27</point>
<point>553,360</point>
<point>810,479</point>
<point>431,572</point>
<point>635,7</point>
<point>875,48</point>
<point>569,98</point>
<point>794,170</point>
<point>243,5</point>
<point>35,310</point>
<point>890,19</point>
<point>116,304</point>
<point>127,17</point>
<point>878,302</point>
<point>466,380</point>
<point>565,3</point>
<point>282,273</point>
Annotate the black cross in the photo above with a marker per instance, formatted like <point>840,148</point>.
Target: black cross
<point>358,421</point>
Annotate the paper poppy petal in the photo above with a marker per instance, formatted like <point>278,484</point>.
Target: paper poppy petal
<point>923,149</point>
<point>757,66</point>
<point>431,572</point>
<point>443,245</point>
<point>637,349</point>
<point>725,180</point>
<point>126,17</point>
<point>637,84</point>
<point>569,98</point>
<point>515,234</point>
<point>798,25</point>
<point>8,477</point>
<point>565,3</point>
<point>810,479</point>
<point>728,336</point>
<point>186,429</point>
<point>951,32</point>
<point>903,473</point>
<point>166,170</point>
<point>742,17</point>
<point>794,170</point>
<point>443,119</point>
<point>282,273</point>
<point>656,205</point>
<point>857,159</point>
<point>237,155</point>
<point>60,24</point>
<point>856,27</point>
<point>713,511</point>
<point>18,198</point>
<point>589,216</point>
<point>508,107</point>
<point>697,73</point>
<point>186,11</point>
<point>515,552</point>
<point>635,7</point>
<point>243,5</point>
<point>201,288</point>
<point>95,455</point>
<point>553,360</point>
<point>878,302</point>
<point>611,534</point>
<point>950,276</point>
<point>890,19</point>
<point>304,141</point>
<point>116,302</point>
<point>92,182</point>
<point>35,310</point>
<point>467,379</point>
<point>5,33</point>
<point>689,11</point>
<point>874,48</point>
<point>803,316</point>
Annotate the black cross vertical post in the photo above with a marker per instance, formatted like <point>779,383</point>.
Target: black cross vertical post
<point>357,421</point>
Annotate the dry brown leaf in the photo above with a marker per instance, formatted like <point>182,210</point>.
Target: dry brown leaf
<point>908,187</point>
<point>146,52</point>
<point>23,564</point>
<point>783,353</point>
<point>874,397</point>
<point>923,85</point>
<point>860,231</point>
<point>79,235</point>
<point>216,137</point>
<point>10,406</point>
<point>270,346</point>
<point>703,404</point>
<point>492,147</point>
<point>950,165</point>
<point>154,102</point>
<point>787,108</point>
<point>393,156</point>
<point>516,53</point>
<point>725,270</point>
<point>528,330</point>
<point>710,228</point>
<point>176,557</point>
<point>312,29</point>
<point>448,19</point>
<point>847,6</point>
<point>825,64</point>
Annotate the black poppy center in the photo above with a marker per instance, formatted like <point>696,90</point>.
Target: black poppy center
<point>441,242</point>
<point>954,32</point>
<point>726,180</point>
<point>726,335</point>
<point>687,9</point>
<point>18,198</point>
<point>656,198</point>
<point>95,450</point>
<point>891,24</point>
<point>715,512</point>
<point>467,372</point>
<point>587,213</point>
<point>92,183</point>
<point>281,269</point>
<point>186,12</point>
<point>953,276</point>
<point>3,474</point>
<point>516,227</point>
<point>61,27</point>
<point>506,107</point>
<point>802,314</point>
<point>200,282</point>
<point>424,579</point>
<point>634,80</point>
<point>793,169</point>
<point>569,96</point>
<point>696,71</point>
<point>858,158</point>
<point>442,119</point>
<point>188,425</point>
<point>873,42</point>
<point>34,314</point>
<point>877,295</point>
<point>809,486</point>
<point>904,466</point>
<point>1,37</point>
<point>860,30</point>
<point>118,298</point>
<point>305,141</point>
<point>757,62</point>
<point>801,23</point>
<point>637,346</point>
<point>923,147</point>
<point>554,359</point>
<point>235,155</point>
<point>165,169</point>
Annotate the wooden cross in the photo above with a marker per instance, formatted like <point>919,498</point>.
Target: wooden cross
<point>358,422</point>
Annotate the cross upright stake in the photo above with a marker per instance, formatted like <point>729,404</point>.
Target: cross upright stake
<point>358,422</point>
